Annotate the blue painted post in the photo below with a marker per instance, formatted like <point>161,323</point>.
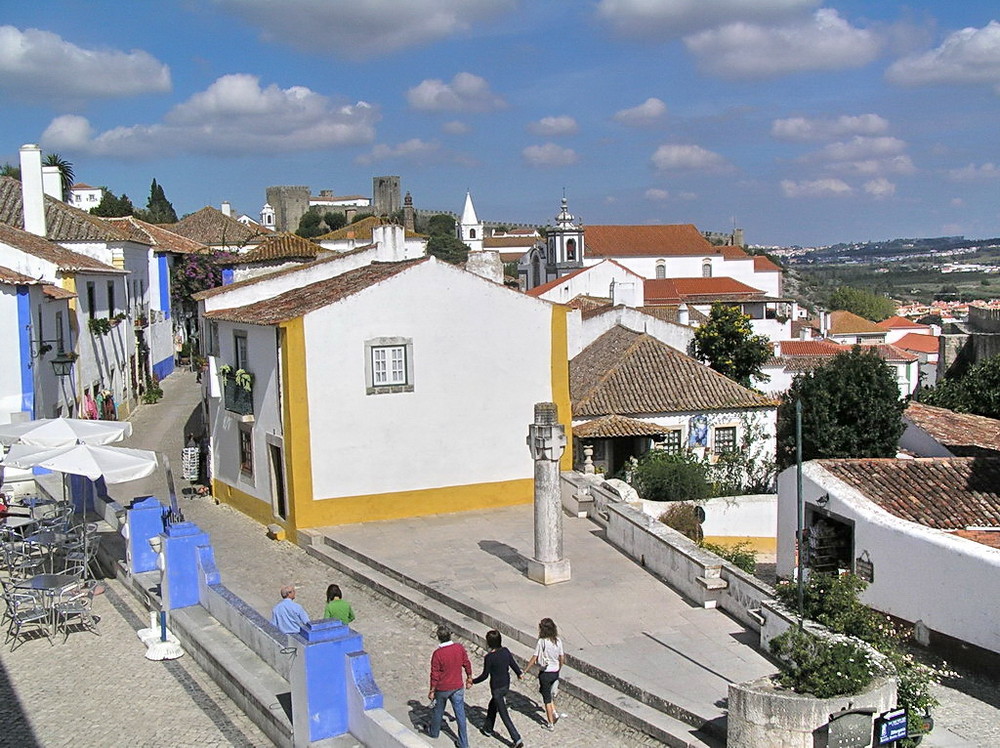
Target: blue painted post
<point>319,680</point>
<point>180,588</point>
<point>145,520</point>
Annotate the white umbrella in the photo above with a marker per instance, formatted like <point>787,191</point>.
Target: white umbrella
<point>114,464</point>
<point>56,432</point>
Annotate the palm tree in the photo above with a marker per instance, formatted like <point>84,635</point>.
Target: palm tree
<point>65,172</point>
<point>9,170</point>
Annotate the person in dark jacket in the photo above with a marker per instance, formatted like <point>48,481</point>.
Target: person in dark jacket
<point>497,665</point>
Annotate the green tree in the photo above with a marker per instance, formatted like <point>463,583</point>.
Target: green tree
<point>66,176</point>
<point>665,476</point>
<point>850,408</point>
<point>977,391</point>
<point>113,207</point>
<point>334,221</point>
<point>727,343</point>
<point>441,225</point>
<point>447,248</point>
<point>862,303</point>
<point>310,225</point>
<point>158,208</point>
<point>9,170</point>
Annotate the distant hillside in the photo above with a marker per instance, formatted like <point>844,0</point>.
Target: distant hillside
<point>895,249</point>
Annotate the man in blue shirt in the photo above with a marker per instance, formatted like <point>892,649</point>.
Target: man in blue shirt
<point>288,615</point>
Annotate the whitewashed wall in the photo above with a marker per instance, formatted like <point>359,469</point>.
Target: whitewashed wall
<point>921,574</point>
<point>596,281</point>
<point>10,372</point>
<point>481,360</point>
<point>583,332</point>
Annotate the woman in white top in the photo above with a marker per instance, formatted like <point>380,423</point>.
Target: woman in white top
<point>549,656</point>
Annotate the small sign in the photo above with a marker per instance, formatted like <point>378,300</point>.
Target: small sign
<point>850,729</point>
<point>864,568</point>
<point>891,726</point>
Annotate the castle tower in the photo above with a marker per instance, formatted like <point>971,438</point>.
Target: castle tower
<point>290,203</point>
<point>385,195</point>
<point>564,244</point>
<point>469,229</point>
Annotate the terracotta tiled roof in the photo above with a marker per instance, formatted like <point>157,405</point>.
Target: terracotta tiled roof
<point>161,238</point>
<point>539,290</point>
<point>670,313</point>
<point>285,246</point>
<point>588,303</point>
<point>608,427</point>
<point>798,364</point>
<point>890,352</point>
<point>57,292</point>
<point>360,231</point>
<point>66,260</point>
<point>946,493</point>
<point>504,242</point>
<point>675,290</point>
<point>629,373</point>
<point>15,278</point>
<point>847,323</point>
<point>964,434</point>
<point>63,223</point>
<point>82,186</point>
<point>918,342</point>
<point>810,326</point>
<point>212,227</point>
<point>986,537</point>
<point>901,323</point>
<point>763,264</point>
<point>300,301</point>
<point>648,241</point>
<point>811,348</point>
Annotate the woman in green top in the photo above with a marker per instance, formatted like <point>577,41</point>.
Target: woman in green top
<point>336,607</point>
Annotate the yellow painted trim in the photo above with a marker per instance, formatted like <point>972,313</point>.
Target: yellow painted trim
<point>429,501</point>
<point>257,509</point>
<point>295,419</point>
<point>560,379</point>
<point>767,545</point>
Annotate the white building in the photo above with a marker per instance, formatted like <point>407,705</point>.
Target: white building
<point>85,197</point>
<point>924,532</point>
<point>378,388</point>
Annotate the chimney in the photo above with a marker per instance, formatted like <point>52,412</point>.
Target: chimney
<point>683,318</point>
<point>52,182</point>
<point>32,196</point>
<point>804,332</point>
<point>227,209</point>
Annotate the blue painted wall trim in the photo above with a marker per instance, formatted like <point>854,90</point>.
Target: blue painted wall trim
<point>227,276</point>
<point>164,269</point>
<point>24,347</point>
<point>163,369</point>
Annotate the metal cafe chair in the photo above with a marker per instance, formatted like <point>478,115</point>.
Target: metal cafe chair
<point>75,607</point>
<point>26,614</point>
<point>80,553</point>
<point>20,562</point>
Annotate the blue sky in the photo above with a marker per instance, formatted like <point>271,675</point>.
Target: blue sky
<point>804,122</point>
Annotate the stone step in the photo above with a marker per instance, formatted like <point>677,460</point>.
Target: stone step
<point>591,685</point>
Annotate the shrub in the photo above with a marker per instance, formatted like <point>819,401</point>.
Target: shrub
<point>153,392</point>
<point>741,555</point>
<point>822,667</point>
<point>662,476</point>
<point>684,519</point>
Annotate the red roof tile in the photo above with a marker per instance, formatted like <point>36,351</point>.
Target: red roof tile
<point>161,238</point>
<point>608,427</point>
<point>901,323</point>
<point>763,264</point>
<point>66,260</point>
<point>811,348</point>
<point>918,343</point>
<point>847,323</point>
<point>651,241</point>
<point>284,246</point>
<point>964,434</point>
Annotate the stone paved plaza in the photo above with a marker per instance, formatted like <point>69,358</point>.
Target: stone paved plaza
<point>100,691</point>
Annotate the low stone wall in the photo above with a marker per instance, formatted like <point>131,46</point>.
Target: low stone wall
<point>763,714</point>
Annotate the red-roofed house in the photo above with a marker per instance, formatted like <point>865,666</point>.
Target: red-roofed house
<point>925,533</point>
<point>925,348</point>
<point>896,327</point>
<point>343,390</point>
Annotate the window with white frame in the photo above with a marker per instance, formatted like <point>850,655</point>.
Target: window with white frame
<point>672,441</point>
<point>388,365</point>
<point>725,439</point>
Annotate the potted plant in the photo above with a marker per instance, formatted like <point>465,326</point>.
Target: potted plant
<point>118,319</point>
<point>244,379</point>
<point>226,371</point>
<point>99,325</point>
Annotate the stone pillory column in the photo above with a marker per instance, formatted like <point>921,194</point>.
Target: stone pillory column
<point>547,441</point>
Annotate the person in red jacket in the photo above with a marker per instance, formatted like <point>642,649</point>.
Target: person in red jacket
<point>447,684</point>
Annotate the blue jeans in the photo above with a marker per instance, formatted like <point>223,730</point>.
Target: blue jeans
<point>457,699</point>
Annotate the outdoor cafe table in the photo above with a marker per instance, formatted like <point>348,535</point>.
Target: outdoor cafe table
<point>16,523</point>
<point>34,502</point>
<point>50,541</point>
<point>51,585</point>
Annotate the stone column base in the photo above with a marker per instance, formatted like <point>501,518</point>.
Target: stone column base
<point>548,572</point>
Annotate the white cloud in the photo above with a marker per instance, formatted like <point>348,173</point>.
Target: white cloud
<point>465,93</point>
<point>745,50</point>
<point>362,30</point>
<point>233,116</point>
<point>880,188</point>
<point>414,151</point>
<point>549,155</point>
<point>37,64</point>
<point>455,127</point>
<point>658,18</point>
<point>973,173</point>
<point>657,195</point>
<point>648,112</point>
<point>816,188</point>
<point>867,156</point>
<point>678,157</point>
<point>554,126</point>
<point>804,129</point>
<point>967,56</point>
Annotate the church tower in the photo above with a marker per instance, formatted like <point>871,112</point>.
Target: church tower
<point>469,229</point>
<point>564,244</point>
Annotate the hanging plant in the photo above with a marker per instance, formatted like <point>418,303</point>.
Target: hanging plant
<point>99,325</point>
<point>225,371</point>
<point>244,379</point>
